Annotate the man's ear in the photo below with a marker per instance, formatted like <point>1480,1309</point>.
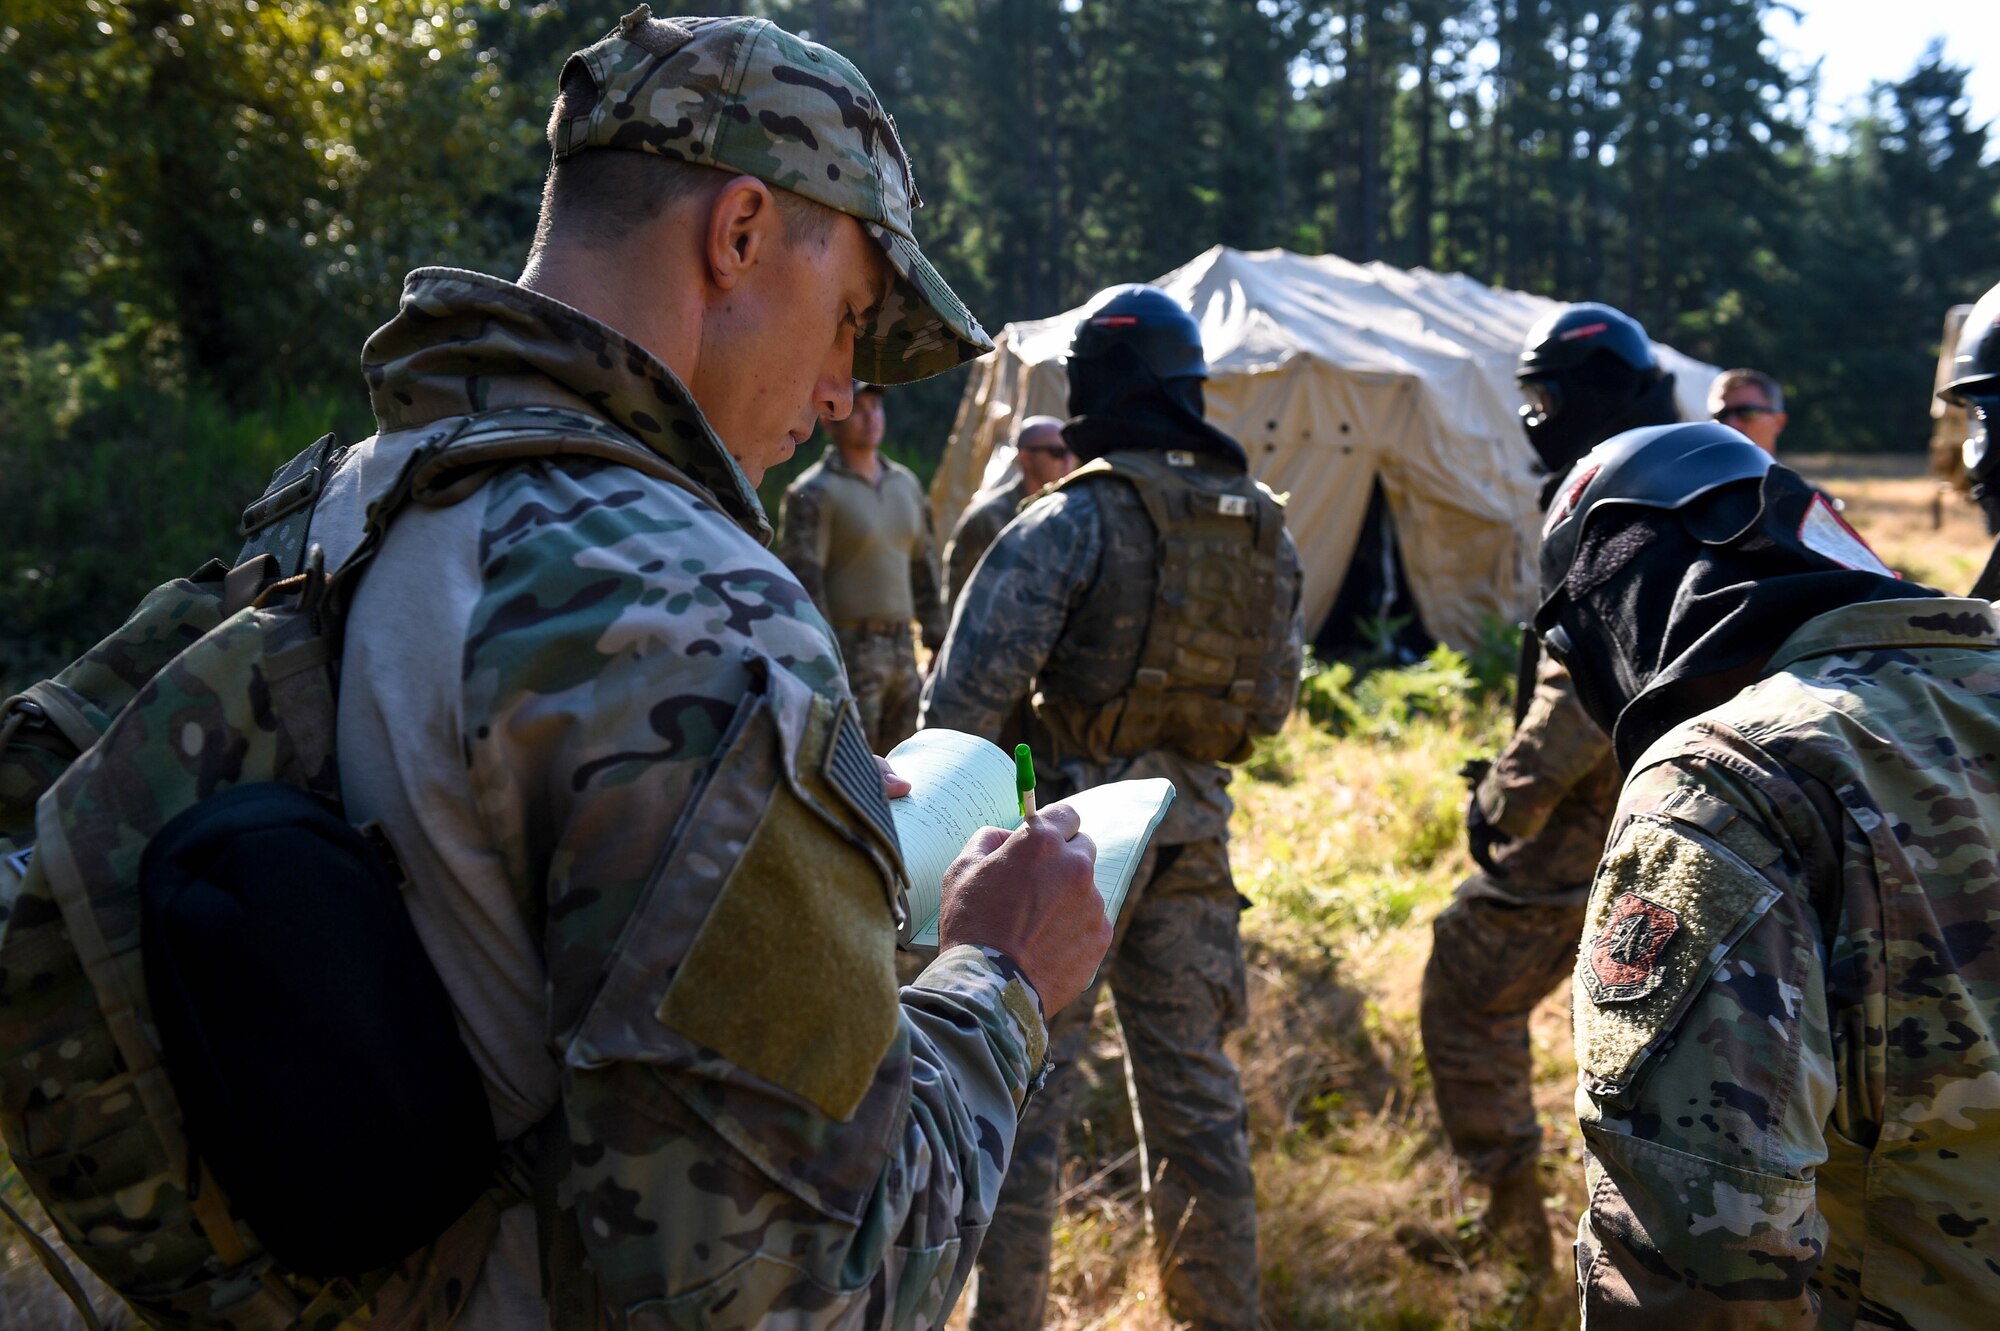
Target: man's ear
<point>743,222</point>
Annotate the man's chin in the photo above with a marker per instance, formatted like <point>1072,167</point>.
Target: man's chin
<point>754,468</point>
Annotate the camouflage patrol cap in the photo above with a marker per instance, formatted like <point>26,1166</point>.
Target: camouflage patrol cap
<point>746,96</point>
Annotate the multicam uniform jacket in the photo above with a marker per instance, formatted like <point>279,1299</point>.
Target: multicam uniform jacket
<point>1011,621</point>
<point>983,520</point>
<point>1788,995</point>
<point>608,735</point>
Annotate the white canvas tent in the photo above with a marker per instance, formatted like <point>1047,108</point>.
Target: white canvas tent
<point>1333,374</point>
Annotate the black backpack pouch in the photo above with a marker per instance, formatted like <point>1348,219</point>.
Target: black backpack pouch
<point>310,1041</point>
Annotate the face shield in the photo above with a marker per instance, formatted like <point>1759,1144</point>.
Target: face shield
<point>1542,401</point>
<point>1982,413</point>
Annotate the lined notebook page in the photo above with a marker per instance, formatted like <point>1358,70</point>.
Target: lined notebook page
<point>959,783</point>
<point>1120,818</point>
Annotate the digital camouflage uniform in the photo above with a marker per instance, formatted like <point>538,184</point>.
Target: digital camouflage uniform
<point>1506,941</point>
<point>984,518</point>
<point>1788,995</point>
<point>609,736</point>
<point>1049,611</point>
<point>865,554</point>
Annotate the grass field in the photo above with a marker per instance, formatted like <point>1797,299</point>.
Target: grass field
<point>1349,845</point>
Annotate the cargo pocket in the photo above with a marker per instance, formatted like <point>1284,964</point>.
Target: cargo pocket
<point>1656,1212</point>
<point>121,1213</point>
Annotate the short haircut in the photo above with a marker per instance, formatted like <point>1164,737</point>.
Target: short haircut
<point>1035,425</point>
<point>603,195</point>
<point>1757,379</point>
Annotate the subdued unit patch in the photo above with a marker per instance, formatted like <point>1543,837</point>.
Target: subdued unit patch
<point>1714,898</point>
<point>801,917</point>
<point>1621,962</point>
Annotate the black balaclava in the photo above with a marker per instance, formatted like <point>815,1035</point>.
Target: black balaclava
<point>1669,613</point>
<point>1601,398</point>
<point>1117,403</point>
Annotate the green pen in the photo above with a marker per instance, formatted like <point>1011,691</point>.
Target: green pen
<point>1024,779</point>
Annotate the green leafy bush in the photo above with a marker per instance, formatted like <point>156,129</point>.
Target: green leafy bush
<point>112,484</point>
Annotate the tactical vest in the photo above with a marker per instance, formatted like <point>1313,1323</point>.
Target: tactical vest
<point>1179,643</point>
<point>218,681</point>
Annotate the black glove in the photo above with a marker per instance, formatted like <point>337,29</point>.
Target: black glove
<point>1482,838</point>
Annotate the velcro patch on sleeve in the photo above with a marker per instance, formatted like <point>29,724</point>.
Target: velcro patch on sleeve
<point>1668,904</point>
<point>800,927</point>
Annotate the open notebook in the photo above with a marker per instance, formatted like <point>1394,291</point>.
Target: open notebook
<point>961,783</point>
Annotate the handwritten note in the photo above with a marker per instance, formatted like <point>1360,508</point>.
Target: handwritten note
<point>959,783</point>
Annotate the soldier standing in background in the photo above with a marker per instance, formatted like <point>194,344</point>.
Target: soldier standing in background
<point>1975,385</point>
<point>1787,999</point>
<point>1148,608</point>
<point>855,528</point>
<point>1752,403</point>
<point>610,739</point>
<point>1537,815</point>
<point>1041,458</point>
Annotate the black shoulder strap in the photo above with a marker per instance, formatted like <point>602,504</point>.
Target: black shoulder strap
<point>568,1284</point>
<point>1527,666</point>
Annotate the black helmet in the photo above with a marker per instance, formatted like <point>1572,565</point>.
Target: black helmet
<point>1589,372</point>
<point>1675,561</point>
<point>1151,323</point>
<point>1975,365</point>
<point>1975,385</point>
<point>1563,341</point>
<point>1663,466</point>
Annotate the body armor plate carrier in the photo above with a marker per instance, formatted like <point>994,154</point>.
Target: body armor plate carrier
<point>1178,644</point>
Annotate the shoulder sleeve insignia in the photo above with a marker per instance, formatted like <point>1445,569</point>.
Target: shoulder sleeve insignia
<point>1669,903</point>
<point>1623,960</point>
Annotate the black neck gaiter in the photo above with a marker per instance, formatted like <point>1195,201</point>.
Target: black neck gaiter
<point>1117,404</point>
<point>1670,614</point>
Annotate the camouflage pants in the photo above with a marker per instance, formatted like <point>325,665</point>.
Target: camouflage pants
<point>1493,958</point>
<point>882,671</point>
<point>1176,973</point>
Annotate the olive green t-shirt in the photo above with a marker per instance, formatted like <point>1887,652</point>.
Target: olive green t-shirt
<point>864,551</point>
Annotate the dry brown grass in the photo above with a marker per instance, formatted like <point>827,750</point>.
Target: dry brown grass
<point>1347,857</point>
